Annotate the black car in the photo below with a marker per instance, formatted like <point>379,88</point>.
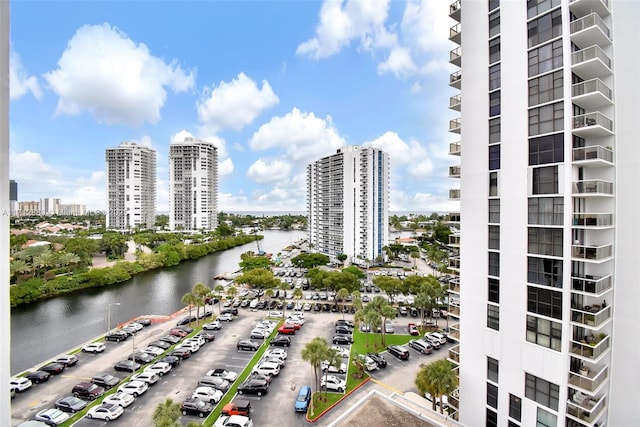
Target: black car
<point>197,407</point>
<point>141,357</point>
<point>247,345</point>
<point>413,311</point>
<point>171,339</point>
<point>182,353</point>
<point>280,341</point>
<point>174,361</point>
<point>342,339</point>
<point>380,361</point>
<point>186,320</point>
<point>230,310</point>
<point>126,365</point>
<point>316,307</point>
<point>39,376</point>
<point>160,344</point>
<point>326,307</point>
<point>398,351</point>
<point>70,404</point>
<point>257,376</point>
<point>253,386</point>
<point>208,336</point>
<point>54,368</point>
<point>343,330</point>
<point>87,390</point>
<point>105,380</point>
<point>143,322</point>
<point>116,336</point>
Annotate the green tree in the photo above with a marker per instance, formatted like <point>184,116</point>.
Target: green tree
<point>438,379</point>
<point>310,260</point>
<point>166,414</point>
<point>352,269</point>
<point>390,285</point>
<point>190,300</point>
<point>248,263</point>
<point>314,352</point>
<point>162,221</point>
<point>18,267</point>
<point>259,278</point>
<point>114,244</point>
<point>200,291</point>
<point>218,289</point>
<point>45,260</point>
<point>342,295</point>
<point>225,230</point>
<point>342,257</point>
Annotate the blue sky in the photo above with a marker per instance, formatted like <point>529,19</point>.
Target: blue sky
<point>274,84</point>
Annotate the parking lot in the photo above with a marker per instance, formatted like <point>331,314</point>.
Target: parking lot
<point>276,407</point>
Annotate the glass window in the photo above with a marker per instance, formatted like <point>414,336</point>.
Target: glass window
<point>493,4</point>
<point>494,51</point>
<point>536,7</point>
<point>494,23</point>
<point>494,77</point>
<point>546,149</point>
<point>512,424</point>
<point>545,333</point>
<point>492,395</point>
<point>546,210</point>
<point>492,369</point>
<point>494,157</point>
<point>515,407</point>
<point>546,119</point>
<point>546,419</point>
<point>543,301</point>
<point>494,210</point>
<point>494,130</point>
<point>545,241</point>
<point>544,28</point>
<point>545,88</point>
<point>494,103</point>
<point>494,264</point>
<point>541,391</point>
<point>493,184</point>
<point>494,290</point>
<point>542,59</point>
<point>493,317</point>
<point>494,237</point>
<point>492,418</point>
<point>545,180</point>
<point>544,271</point>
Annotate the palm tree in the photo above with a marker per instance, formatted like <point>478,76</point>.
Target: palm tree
<point>189,299</point>
<point>373,319</point>
<point>219,289</point>
<point>166,414</point>
<point>44,260</point>
<point>314,352</point>
<point>387,311</point>
<point>19,267</point>
<point>200,290</point>
<point>437,379</point>
<point>342,294</point>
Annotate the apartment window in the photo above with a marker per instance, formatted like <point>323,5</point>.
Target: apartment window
<point>493,317</point>
<point>536,7</point>
<point>494,290</point>
<point>543,301</point>
<point>494,157</point>
<point>494,77</point>
<point>494,130</point>
<point>545,241</point>
<point>494,264</point>
<point>494,103</point>
<point>492,395</point>
<point>493,184</point>
<point>545,333</point>
<point>546,119</point>
<point>546,149</point>
<point>512,424</point>
<point>494,23</point>
<point>492,369</point>
<point>545,88</point>
<point>494,210</point>
<point>541,391</point>
<point>492,418</point>
<point>546,210</point>
<point>494,237</point>
<point>544,28</point>
<point>493,4</point>
<point>515,407</point>
<point>545,180</point>
<point>542,59</point>
<point>546,419</point>
<point>544,271</point>
<point>494,50</point>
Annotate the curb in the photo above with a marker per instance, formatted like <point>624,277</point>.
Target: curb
<point>336,404</point>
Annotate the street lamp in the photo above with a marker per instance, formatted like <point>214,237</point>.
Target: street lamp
<point>109,315</point>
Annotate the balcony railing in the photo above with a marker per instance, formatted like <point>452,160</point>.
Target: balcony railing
<point>454,10</point>
<point>591,284</point>
<point>454,194</point>
<point>455,79</point>
<point>594,153</point>
<point>455,148</point>
<point>591,316</point>
<point>454,262</point>
<point>592,220</point>
<point>454,171</point>
<point>592,124</point>
<point>590,29</point>
<point>591,62</point>
<point>454,216</point>
<point>455,125</point>
<point>454,310</point>
<point>454,331</point>
<point>592,253</point>
<point>455,102</point>
<point>454,239</point>
<point>589,348</point>
<point>455,56</point>
<point>587,378</point>
<point>455,34</point>
<point>593,186</point>
<point>454,285</point>
<point>454,353</point>
<point>587,409</point>
<point>584,7</point>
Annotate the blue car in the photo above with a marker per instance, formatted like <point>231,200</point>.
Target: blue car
<point>303,399</point>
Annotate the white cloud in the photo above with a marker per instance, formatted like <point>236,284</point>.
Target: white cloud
<point>426,24</point>
<point>104,72</point>
<point>341,22</point>
<point>234,105</point>
<point>269,172</point>
<point>420,202</point>
<point>411,156</point>
<point>416,87</point>
<point>225,168</point>
<point>20,82</point>
<point>399,62</point>
<point>303,136</point>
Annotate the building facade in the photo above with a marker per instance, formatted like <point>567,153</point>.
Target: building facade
<point>49,206</point>
<point>13,197</point>
<point>546,302</point>
<point>348,203</point>
<point>131,186</point>
<point>193,185</point>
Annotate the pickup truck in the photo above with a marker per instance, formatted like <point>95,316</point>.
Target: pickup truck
<point>237,407</point>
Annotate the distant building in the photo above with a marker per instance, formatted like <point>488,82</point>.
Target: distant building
<point>13,197</point>
<point>348,203</point>
<point>73,210</point>
<point>131,186</point>
<point>49,206</point>
<point>193,185</point>
<point>31,208</point>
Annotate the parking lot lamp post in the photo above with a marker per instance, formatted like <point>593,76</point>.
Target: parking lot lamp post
<point>109,315</point>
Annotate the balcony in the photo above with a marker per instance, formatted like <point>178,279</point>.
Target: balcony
<point>594,155</point>
<point>455,34</point>
<point>593,124</point>
<point>455,149</point>
<point>454,331</point>
<point>454,285</point>
<point>454,240</point>
<point>592,220</point>
<point>591,94</point>
<point>588,378</point>
<point>584,7</point>
<point>590,348</point>
<point>590,30</point>
<point>586,408</point>
<point>591,316</point>
<point>455,102</point>
<point>594,285</point>
<point>454,263</point>
<point>454,217</point>
<point>454,311</point>
<point>455,56</point>
<point>454,171</point>
<point>454,10</point>
<point>590,63</point>
<point>593,187</point>
<point>455,126</point>
<point>591,253</point>
<point>454,354</point>
<point>454,194</point>
<point>455,79</point>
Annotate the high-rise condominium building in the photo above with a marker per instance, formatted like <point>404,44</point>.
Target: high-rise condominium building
<point>193,185</point>
<point>50,206</point>
<point>13,197</point>
<point>131,186</point>
<point>348,203</point>
<point>546,304</point>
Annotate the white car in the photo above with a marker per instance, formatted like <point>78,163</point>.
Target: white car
<point>105,412</point>
<point>212,326</point>
<point>296,321</point>
<point>136,388</point>
<point>148,377</point>
<point>134,325</point>
<point>208,394</point>
<point>226,317</point>
<point>341,351</point>
<point>230,376</point>
<point>331,382</point>
<point>122,399</point>
<point>197,338</point>
<point>233,420</point>
<point>267,368</point>
<point>192,346</point>
<point>259,334</point>
<point>306,307</point>
<point>275,314</point>
<point>276,352</point>
<point>52,417</point>
<point>94,347</point>
<point>153,350</point>
<point>369,363</point>
<point>20,384</point>
<point>333,369</point>
<point>159,368</point>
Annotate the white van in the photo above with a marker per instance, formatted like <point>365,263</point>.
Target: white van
<point>254,303</point>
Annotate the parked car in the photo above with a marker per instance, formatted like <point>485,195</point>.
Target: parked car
<point>143,321</point>
<point>437,335</point>
<point>116,336</point>
<point>135,388</point>
<point>326,367</point>
<point>182,353</point>
<point>67,360</point>
<point>369,363</point>
<point>52,416</point>
<point>178,332</point>
<point>186,320</point>
<point>147,377</point>
<point>287,329</point>
<point>333,383</point>
<point>258,334</point>
<point>198,407</point>
<point>160,344</point>
<point>277,352</point>
<point>342,339</point>
<point>159,368</point>
<point>38,377</point>
<point>213,326</point>
<point>122,399</point>
<point>247,345</point>
<point>224,374</point>
<point>71,404</point>
<point>94,347</point>
<point>280,341</point>
<point>421,346</point>
<point>126,365</point>
<point>254,386</point>
<point>87,390</point>
<point>208,394</point>
<point>267,368</point>
<point>413,329</point>
<point>192,346</point>
<point>207,336</point>
<point>347,323</point>
<point>341,351</point>
<point>233,421</point>
<point>20,384</point>
<point>435,342</point>
<point>154,351</point>
<point>171,339</point>
<point>302,401</point>
<point>106,412</point>
<point>174,361</point>
<point>225,317</point>
<point>215,382</point>
<point>105,380</point>
<point>141,357</point>
<point>398,351</point>
<point>343,330</point>
<point>54,368</point>
<point>237,407</point>
<point>380,361</point>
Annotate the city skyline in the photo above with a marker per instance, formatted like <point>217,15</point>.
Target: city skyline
<point>271,92</point>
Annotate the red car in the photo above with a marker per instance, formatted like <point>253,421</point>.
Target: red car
<point>413,329</point>
<point>178,332</point>
<point>287,328</point>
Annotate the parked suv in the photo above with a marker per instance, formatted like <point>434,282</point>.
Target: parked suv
<point>87,390</point>
<point>105,380</point>
<point>421,346</point>
<point>303,399</point>
<point>398,351</point>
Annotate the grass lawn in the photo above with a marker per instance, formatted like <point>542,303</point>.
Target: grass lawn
<point>359,345</point>
<point>319,404</point>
